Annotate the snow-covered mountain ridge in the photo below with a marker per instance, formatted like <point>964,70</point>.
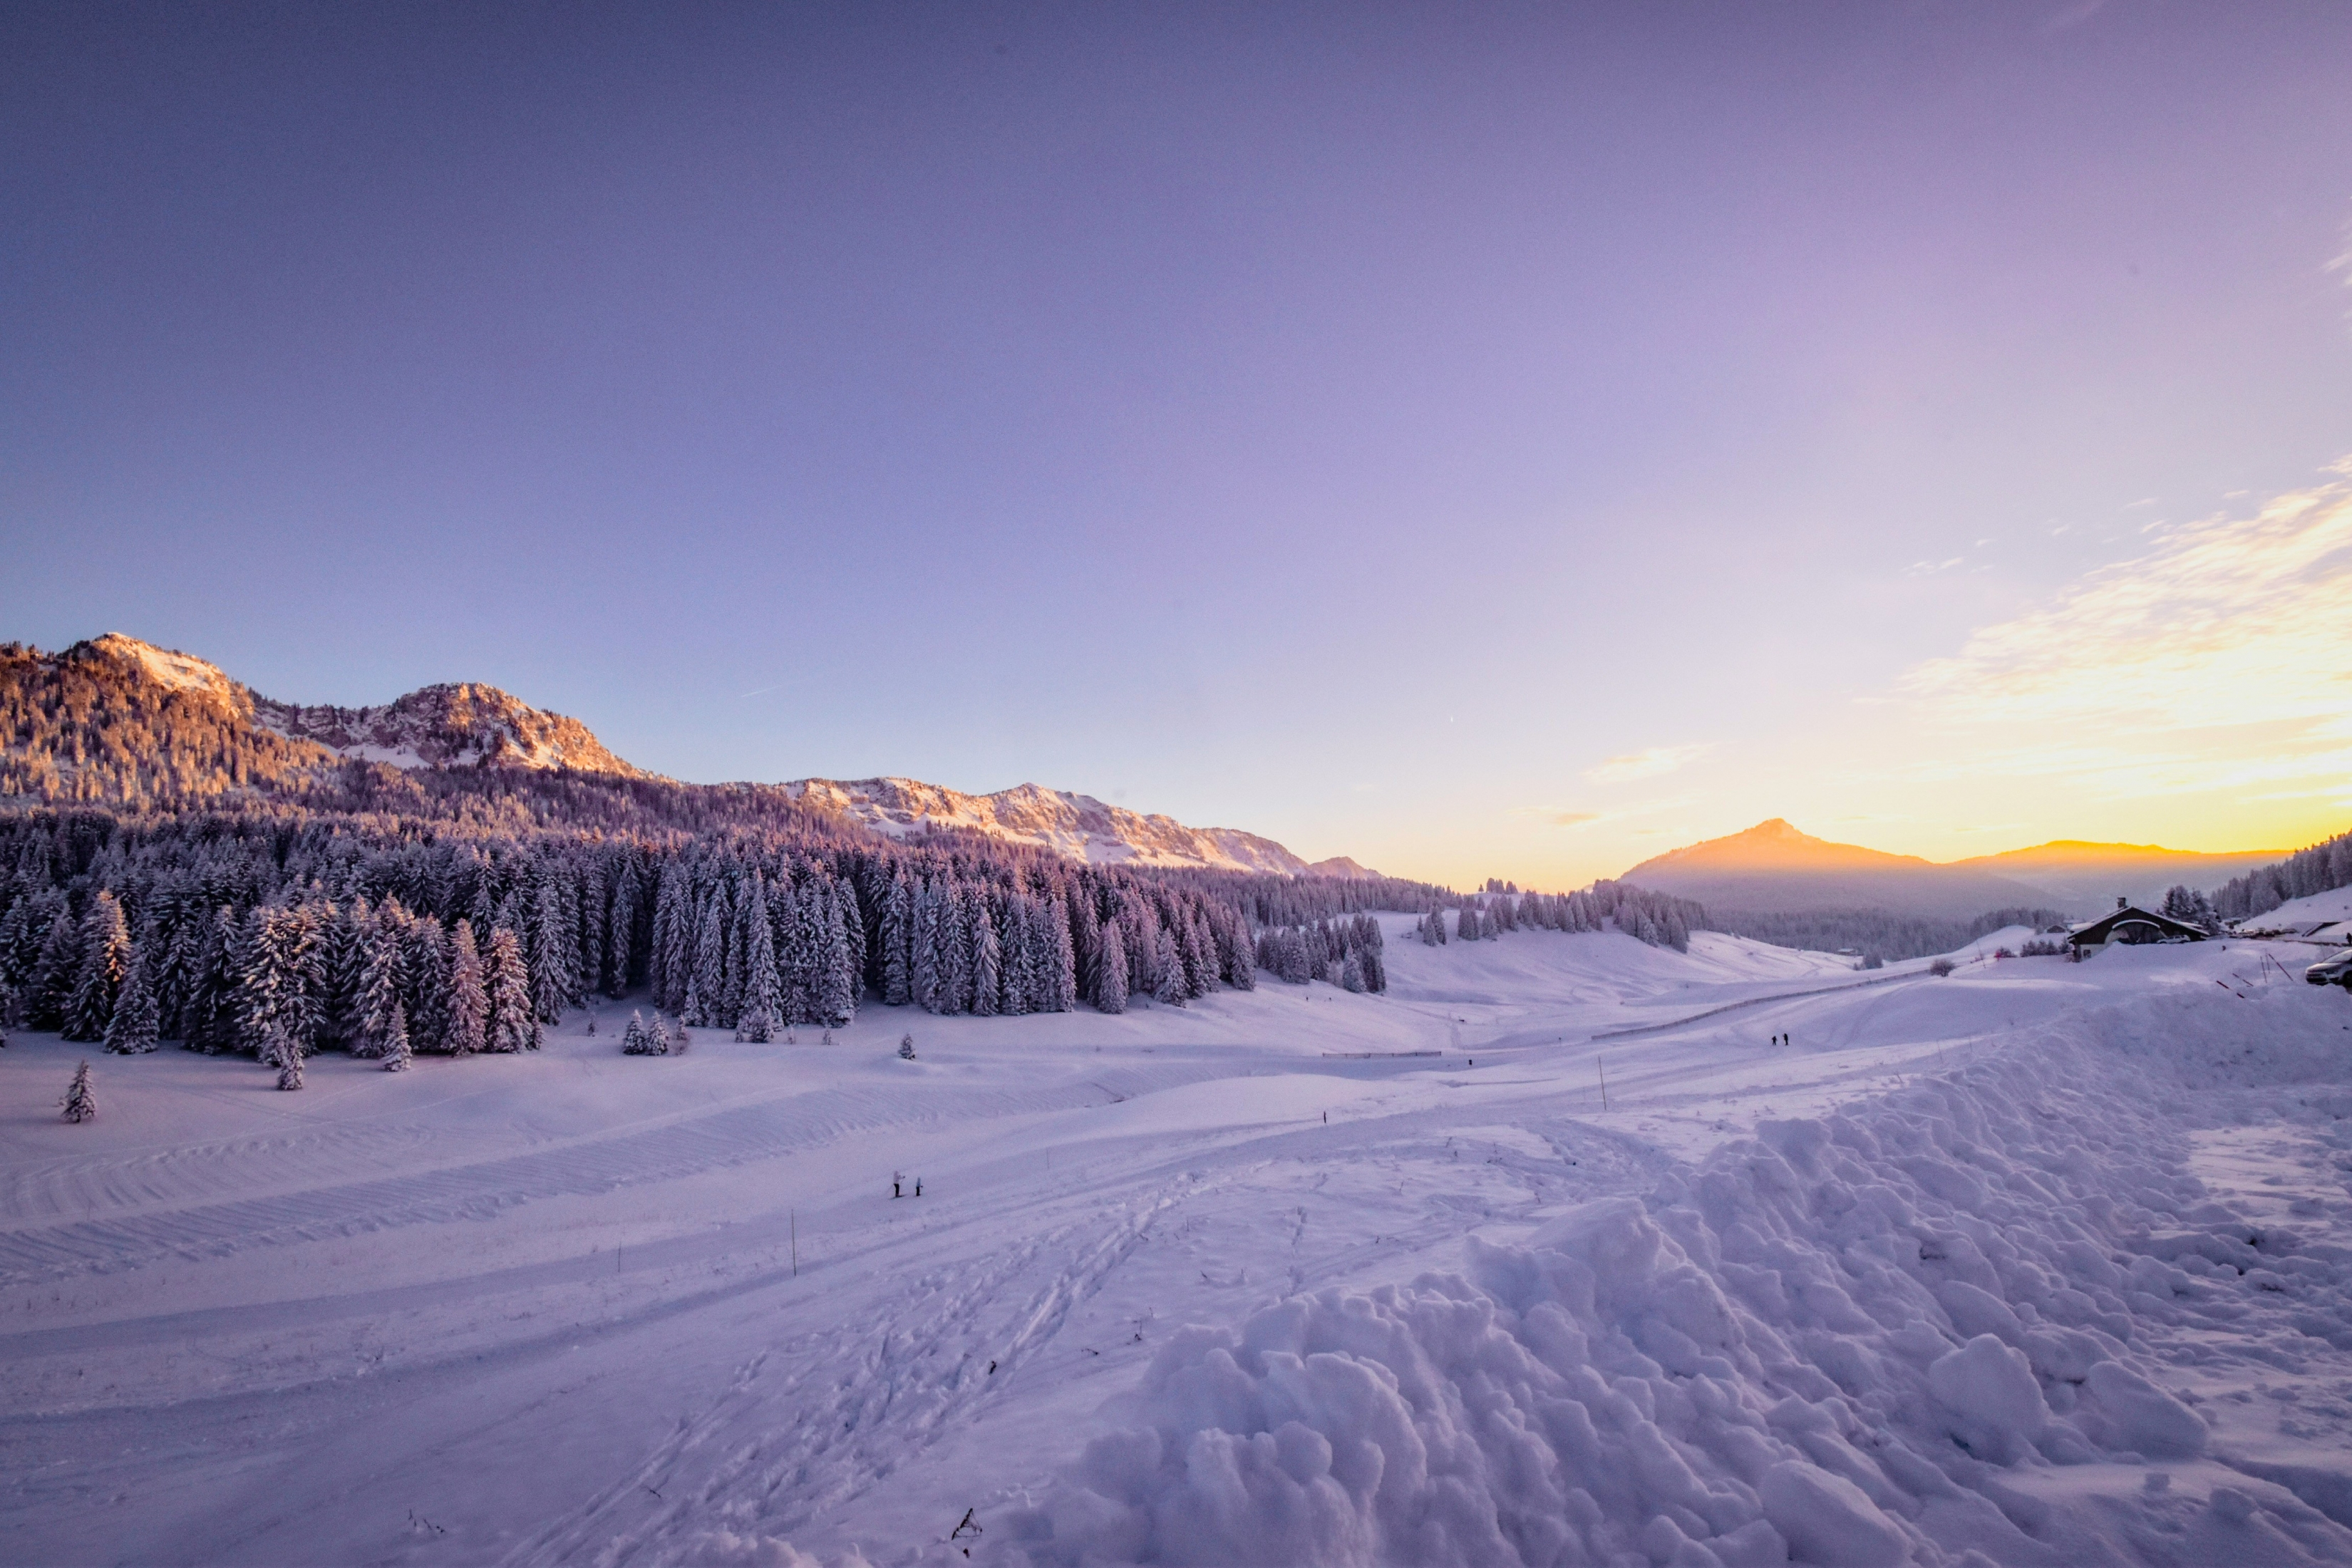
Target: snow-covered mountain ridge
<point>454,724</point>
<point>469,724</point>
<point>1075,826</point>
<point>458,724</point>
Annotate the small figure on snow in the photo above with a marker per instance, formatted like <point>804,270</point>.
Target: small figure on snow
<point>906,1049</point>
<point>894,1180</point>
<point>591,1025</point>
<point>81,1103</point>
<point>828,1038</point>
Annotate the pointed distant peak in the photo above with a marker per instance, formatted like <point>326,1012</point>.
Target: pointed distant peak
<point>1775,827</point>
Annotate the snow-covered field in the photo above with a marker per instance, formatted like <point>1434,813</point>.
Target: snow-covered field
<point>2043,1262</point>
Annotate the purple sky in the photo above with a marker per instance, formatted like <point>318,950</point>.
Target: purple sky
<point>1483,440</point>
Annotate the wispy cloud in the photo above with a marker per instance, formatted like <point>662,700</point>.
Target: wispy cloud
<point>1646,764</point>
<point>1568,818</point>
<point>2222,658</point>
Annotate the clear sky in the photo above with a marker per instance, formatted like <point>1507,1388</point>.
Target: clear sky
<point>1485,440</point>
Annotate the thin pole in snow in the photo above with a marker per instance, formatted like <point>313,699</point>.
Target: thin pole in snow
<point>1604,1080</point>
<point>797,1243</point>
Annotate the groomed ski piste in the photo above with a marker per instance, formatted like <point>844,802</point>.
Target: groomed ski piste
<point>2040,1263</point>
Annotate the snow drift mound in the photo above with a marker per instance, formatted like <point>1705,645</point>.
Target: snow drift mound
<point>1858,1340</point>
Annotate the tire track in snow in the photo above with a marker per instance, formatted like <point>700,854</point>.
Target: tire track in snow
<point>483,1189</point>
<point>866,1402</point>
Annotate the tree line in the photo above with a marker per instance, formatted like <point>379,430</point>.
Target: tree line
<point>2321,868</point>
<point>271,932</point>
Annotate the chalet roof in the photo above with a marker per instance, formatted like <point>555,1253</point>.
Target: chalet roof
<point>2102,928</point>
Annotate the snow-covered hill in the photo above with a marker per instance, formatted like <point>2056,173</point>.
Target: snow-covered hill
<point>1077,825</point>
<point>2042,1263</point>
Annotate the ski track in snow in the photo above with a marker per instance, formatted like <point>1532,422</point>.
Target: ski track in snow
<point>230,1330</point>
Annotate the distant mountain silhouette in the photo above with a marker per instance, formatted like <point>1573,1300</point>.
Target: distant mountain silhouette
<point>1773,867</point>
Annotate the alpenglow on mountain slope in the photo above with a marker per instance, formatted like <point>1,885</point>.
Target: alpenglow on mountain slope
<point>1075,826</point>
<point>117,720</point>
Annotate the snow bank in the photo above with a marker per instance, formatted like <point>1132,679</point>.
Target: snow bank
<point>1860,1340</point>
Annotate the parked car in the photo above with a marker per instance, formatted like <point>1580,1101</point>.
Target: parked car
<point>2337,971</point>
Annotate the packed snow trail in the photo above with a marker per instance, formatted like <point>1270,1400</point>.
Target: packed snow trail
<point>547,1309</point>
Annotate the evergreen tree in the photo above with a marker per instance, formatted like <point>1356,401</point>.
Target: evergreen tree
<point>928,980</point>
<point>1110,980</point>
<point>1170,991</point>
<point>427,960</point>
<point>511,1024</point>
<point>134,1028</point>
<point>763,995</point>
<point>987,961</point>
<point>396,1049</point>
<point>1061,956</point>
<point>1351,973</point>
<point>898,942</point>
<point>279,977</point>
<point>621,941</point>
<point>208,1021</point>
<point>106,958</point>
<point>81,1103</point>
<point>467,1013</point>
<point>549,955</point>
<point>708,986</point>
<point>374,990</point>
<point>835,1002</point>
<point>60,966</point>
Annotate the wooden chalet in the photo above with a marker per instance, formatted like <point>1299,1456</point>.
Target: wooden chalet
<point>2131,926</point>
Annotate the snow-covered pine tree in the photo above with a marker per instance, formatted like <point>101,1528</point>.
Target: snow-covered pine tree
<point>924,947</point>
<point>467,1012</point>
<point>81,1103</point>
<point>426,953</point>
<point>396,1049</point>
<point>511,1024</point>
<point>621,938</point>
<point>897,941</point>
<point>737,980</point>
<point>835,1002</point>
<point>374,994</point>
<point>172,975</point>
<point>548,955</point>
<point>1351,973</point>
<point>106,958</point>
<point>58,967</point>
<point>208,1019</point>
<point>987,960</point>
<point>135,1027</point>
<point>1085,939</point>
<point>277,978</point>
<point>636,1040</point>
<point>1110,974</point>
<point>657,1035</point>
<point>708,986</point>
<point>1062,954</point>
<point>763,996</point>
<point>1170,991</point>
<point>955,948</point>
<point>671,956</point>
